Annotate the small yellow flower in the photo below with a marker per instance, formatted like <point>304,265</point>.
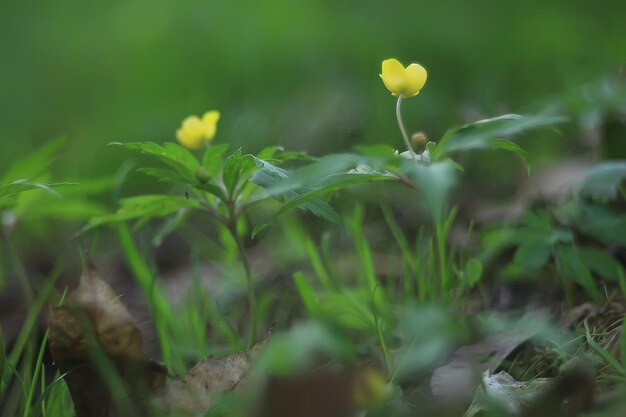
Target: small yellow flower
<point>399,80</point>
<point>194,133</point>
<point>370,388</point>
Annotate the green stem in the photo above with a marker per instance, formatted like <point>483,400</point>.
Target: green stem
<point>407,142</point>
<point>441,252</point>
<point>243,255</point>
<point>20,271</point>
<point>379,331</point>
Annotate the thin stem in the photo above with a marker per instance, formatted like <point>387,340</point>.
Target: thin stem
<point>441,251</point>
<point>379,331</point>
<point>407,142</point>
<point>243,255</point>
<point>20,271</point>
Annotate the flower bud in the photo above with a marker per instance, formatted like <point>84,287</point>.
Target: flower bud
<point>203,175</point>
<point>419,139</point>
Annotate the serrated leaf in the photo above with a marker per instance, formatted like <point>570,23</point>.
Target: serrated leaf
<point>144,208</point>
<point>171,154</point>
<point>309,199</point>
<point>602,181</point>
<point>237,169</point>
<point>488,134</point>
<point>164,175</point>
<point>308,176</point>
<point>213,159</point>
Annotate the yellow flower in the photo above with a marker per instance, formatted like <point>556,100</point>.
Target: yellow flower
<point>194,133</point>
<point>399,80</point>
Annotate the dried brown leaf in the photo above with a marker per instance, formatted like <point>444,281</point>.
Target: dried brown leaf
<point>91,331</point>
<point>196,391</point>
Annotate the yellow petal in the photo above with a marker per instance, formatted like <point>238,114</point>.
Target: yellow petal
<point>210,119</point>
<point>192,132</point>
<point>394,76</point>
<point>188,140</point>
<point>415,80</point>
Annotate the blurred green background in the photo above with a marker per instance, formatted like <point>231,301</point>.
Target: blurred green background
<point>303,74</point>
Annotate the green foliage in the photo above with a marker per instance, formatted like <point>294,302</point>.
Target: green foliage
<point>492,134</point>
<point>563,233</point>
<point>603,181</point>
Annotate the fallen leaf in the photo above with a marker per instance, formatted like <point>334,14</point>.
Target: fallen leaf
<point>457,380</point>
<point>196,391</point>
<point>565,396</point>
<point>94,341</point>
<point>503,392</point>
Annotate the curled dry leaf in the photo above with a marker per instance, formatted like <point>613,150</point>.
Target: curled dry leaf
<point>195,392</point>
<point>94,340</point>
<point>457,380</point>
<point>565,396</point>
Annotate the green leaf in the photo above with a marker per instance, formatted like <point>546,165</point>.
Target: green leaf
<point>179,153</point>
<point>164,175</point>
<point>304,187</point>
<point>19,186</point>
<point>573,267</point>
<point>601,263</point>
<point>602,181</point>
<point>212,189</point>
<point>384,151</point>
<point>32,166</point>
<point>322,169</point>
<point>596,220</point>
<point>269,152</point>
<point>316,206</point>
<point>169,225</point>
<point>532,254</point>
<point>307,294</point>
<point>144,208</point>
<point>434,181</point>
<point>473,272</point>
<point>65,209</point>
<point>238,169</point>
<point>171,154</point>
<point>488,134</point>
<point>213,159</point>
<point>511,147</point>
